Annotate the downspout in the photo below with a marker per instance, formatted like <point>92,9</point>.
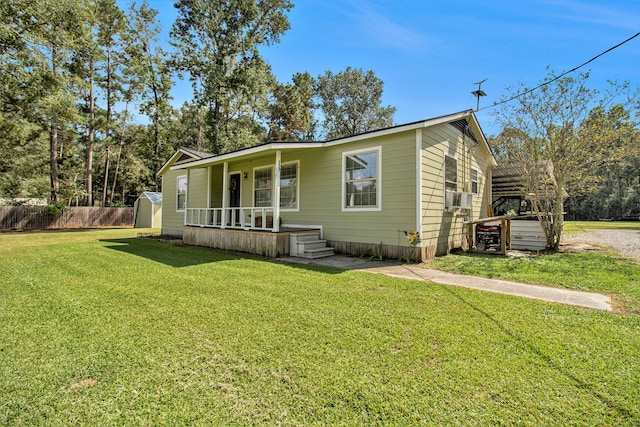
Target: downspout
<point>276,195</point>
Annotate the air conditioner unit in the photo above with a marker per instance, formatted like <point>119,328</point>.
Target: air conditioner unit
<point>466,200</point>
<point>451,200</point>
<point>457,200</point>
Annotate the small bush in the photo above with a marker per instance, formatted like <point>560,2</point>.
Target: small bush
<point>56,208</point>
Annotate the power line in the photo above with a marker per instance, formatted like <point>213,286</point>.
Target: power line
<point>561,75</point>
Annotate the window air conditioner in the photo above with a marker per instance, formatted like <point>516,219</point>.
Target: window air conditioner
<point>458,200</point>
<point>466,200</point>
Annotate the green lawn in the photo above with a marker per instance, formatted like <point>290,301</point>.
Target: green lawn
<point>99,328</point>
<point>573,227</point>
<point>603,271</point>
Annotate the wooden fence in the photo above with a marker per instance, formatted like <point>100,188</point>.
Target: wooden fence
<point>39,218</point>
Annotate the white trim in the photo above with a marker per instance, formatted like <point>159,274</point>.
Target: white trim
<point>297,208</point>
<point>477,181</point>
<point>374,134</point>
<point>444,164</point>
<point>402,128</point>
<point>186,178</point>
<point>225,194</point>
<point>378,151</point>
<point>249,151</point>
<point>209,177</point>
<point>306,226</point>
<point>419,183</point>
<point>276,192</point>
<point>179,153</point>
<point>253,185</point>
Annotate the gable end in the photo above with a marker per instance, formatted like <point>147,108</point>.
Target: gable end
<point>463,126</point>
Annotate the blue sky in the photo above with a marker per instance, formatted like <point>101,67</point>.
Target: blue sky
<point>430,52</point>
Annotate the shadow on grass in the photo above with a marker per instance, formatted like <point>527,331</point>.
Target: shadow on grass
<point>186,256</point>
<point>548,360</point>
<point>165,253</point>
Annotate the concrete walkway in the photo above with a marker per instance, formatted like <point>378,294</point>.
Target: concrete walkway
<point>544,293</point>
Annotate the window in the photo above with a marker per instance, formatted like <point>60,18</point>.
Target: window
<point>450,173</point>
<point>289,186</point>
<point>361,172</point>
<point>262,187</point>
<point>474,181</point>
<point>181,199</point>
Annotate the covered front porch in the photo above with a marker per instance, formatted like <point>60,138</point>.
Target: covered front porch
<point>240,218</point>
<point>248,203</point>
<point>240,193</point>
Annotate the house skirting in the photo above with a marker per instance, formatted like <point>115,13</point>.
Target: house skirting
<point>420,254</point>
<point>266,244</point>
<point>171,233</point>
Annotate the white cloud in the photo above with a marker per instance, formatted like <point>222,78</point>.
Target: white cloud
<point>623,15</point>
<point>382,30</point>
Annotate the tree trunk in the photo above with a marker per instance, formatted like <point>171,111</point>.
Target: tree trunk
<point>106,177</point>
<point>53,141</point>
<point>115,176</point>
<point>89,149</point>
<point>53,149</point>
<point>107,130</point>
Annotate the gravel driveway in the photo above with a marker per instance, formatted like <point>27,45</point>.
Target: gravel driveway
<point>626,242</point>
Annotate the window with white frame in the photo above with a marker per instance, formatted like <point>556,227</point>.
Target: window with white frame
<point>262,187</point>
<point>361,174</point>
<point>474,180</point>
<point>181,198</point>
<point>450,173</point>
<point>289,186</point>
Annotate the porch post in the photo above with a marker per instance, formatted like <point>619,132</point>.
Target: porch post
<point>276,194</point>
<point>209,177</point>
<point>186,201</point>
<point>225,194</point>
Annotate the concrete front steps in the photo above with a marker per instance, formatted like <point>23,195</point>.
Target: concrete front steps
<point>309,245</point>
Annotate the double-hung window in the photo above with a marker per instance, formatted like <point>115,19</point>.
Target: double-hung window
<point>181,199</point>
<point>289,186</point>
<point>450,173</point>
<point>361,171</point>
<point>474,180</point>
<point>262,187</point>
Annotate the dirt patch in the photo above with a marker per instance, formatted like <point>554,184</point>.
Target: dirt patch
<point>625,242</point>
<point>84,383</point>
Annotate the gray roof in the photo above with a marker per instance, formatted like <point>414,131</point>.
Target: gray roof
<point>153,196</point>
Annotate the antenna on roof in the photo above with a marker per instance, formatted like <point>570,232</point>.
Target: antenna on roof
<point>478,93</point>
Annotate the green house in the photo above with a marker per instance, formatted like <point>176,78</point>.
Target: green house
<point>366,194</point>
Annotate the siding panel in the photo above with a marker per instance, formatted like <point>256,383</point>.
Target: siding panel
<point>442,230</point>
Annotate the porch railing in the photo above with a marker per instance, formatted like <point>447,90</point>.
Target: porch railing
<point>250,218</point>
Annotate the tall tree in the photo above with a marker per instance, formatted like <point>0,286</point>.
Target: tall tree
<point>111,26</point>
<point>610,184</point>
<point>217,45</point>
<point>351,103</point>
<point>24,156</point>
<point>54,31</point>
<point>86,58</point>
<point>149,74</point>
<point>291,114</point>
<point>189,127</point>
<point>542,132</point>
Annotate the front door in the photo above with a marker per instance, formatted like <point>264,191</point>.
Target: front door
<point>234,197</point>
